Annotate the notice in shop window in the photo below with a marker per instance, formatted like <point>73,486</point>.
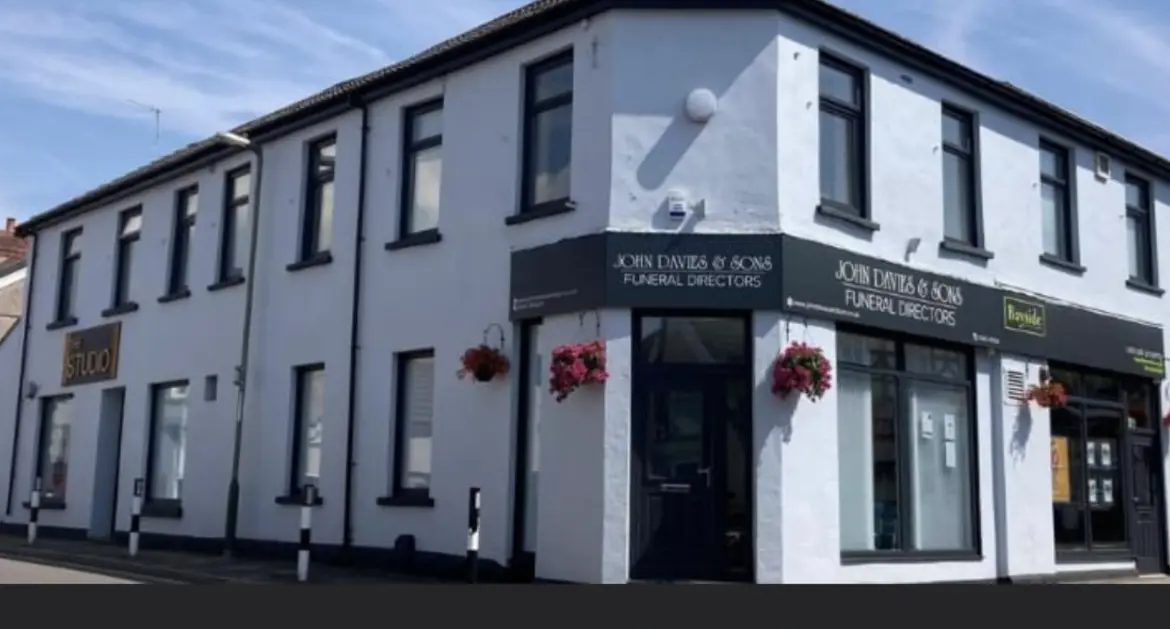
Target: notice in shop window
<point>1061,485</point>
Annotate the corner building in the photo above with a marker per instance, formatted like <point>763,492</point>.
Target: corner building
<point>555,178</point>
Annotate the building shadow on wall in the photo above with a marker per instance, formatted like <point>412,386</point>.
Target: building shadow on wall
<point>1021,432</point>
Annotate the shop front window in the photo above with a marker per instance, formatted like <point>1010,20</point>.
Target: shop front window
<point>905,447</point>
<point>1089,442</point>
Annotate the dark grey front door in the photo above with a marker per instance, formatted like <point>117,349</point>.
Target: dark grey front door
<point>1146,504</point>
<point>674,514</point>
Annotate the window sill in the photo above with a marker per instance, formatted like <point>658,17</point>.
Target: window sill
<point>170,509</point>
<point>543,210</point>
<point>226,283</point>
<point>1143,287</point>
<point>62,323</point>
<point>297,500</point>
<point>317,259</point>
<point>175,296</point>
<point>965,249</point>
<point>855,558</point>
<point>417,239</point>
<point>1063,265</point>
<point>47,505</point>
<point>120,309</point>
<point>407,500</point>
<point>846,214</point>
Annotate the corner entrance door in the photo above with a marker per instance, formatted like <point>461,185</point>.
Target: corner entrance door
<point>1147,540</point>
<point>690,505</point>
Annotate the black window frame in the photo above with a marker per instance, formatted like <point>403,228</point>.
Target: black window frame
<point>295,486</point>
<point>1148,280</point>
<point>533,109</point>
<point>229,228</point>
<point>411,146</point>
<point>399,495</point>
<point>970,156</point>
<point>120,300</point>
<point>320,170</point>
<point>902,378</point>
<point>182,232</point>
<point>858,211</point>
<point>1065,183</point>
<point>151,506</point>
<point>69,260</point>
<point>43,434</point>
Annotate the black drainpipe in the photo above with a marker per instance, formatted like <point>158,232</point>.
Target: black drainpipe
<point>28,299</point>
<point>355,311</point>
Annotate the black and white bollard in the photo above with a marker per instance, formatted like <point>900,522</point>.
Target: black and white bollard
<point>306,541</point>
<point>34,509</point>
<point>136,514</point>
<point>472,534</point>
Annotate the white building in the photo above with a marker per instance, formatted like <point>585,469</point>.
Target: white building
<point>696,189</point>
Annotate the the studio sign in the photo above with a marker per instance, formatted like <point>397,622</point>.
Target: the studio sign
<point>91,355</point>
<point>898,293</point>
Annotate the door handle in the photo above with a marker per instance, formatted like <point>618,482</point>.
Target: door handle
<point>706,473</point>
<point>675,488</point>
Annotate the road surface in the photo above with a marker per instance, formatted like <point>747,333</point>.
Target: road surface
<point>15,572</point>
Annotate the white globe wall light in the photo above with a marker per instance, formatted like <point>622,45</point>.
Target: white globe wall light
<point>701,104</point>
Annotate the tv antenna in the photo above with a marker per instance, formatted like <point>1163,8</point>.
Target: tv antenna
<point>153,110</point>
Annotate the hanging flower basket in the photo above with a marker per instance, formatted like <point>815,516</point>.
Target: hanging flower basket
<point>483,363</point>
<point>802,368</point>
<point>1048,393</point>
<point>575,365</point>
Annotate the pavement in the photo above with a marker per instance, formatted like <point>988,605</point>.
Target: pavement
<point>170,567</point>
<point>21,572</point>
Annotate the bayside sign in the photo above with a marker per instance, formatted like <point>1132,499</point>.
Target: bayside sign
<point>91,355</point>
<point>829,283</point>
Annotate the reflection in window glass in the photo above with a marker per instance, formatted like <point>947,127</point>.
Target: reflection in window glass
<point>56,421</point>
<point>693,340</point>
<point>311,424</point>
<point>904,438</point>
<point>168,452</point>
<point>419,405</point>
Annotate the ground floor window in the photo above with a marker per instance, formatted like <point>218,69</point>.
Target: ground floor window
<point>906,445</point>
<point>168,441</point>
<point>53,448</point>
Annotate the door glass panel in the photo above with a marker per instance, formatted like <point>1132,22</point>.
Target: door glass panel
<point>675,442</point>
<point>1102,457</point>
<point>1137,398</point>
<point>693,340</point>
<point>1068,502</point>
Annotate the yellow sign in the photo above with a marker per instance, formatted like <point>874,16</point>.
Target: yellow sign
<point>1061,486</point>
<point>1024,316</point>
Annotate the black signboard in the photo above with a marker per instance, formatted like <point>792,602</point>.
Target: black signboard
<point>829,283</point>
<point>639,270</point>
<point>565,276</point>
<point>91,355</point>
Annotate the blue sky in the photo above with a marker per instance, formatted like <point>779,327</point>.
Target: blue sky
<point>79,78</point>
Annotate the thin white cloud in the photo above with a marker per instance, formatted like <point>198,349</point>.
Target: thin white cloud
<point>207,64</point>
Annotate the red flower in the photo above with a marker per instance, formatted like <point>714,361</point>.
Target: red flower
<point>483,363</point>
<point>575,365</point>
<point>1047,394</point>
<point>802,368</point>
